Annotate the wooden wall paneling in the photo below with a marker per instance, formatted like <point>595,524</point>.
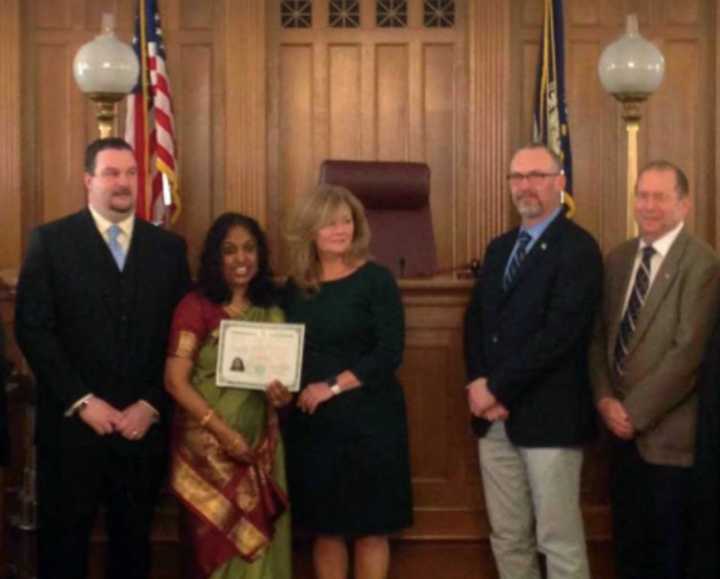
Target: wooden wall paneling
<point>418,147</point>
<point>527,81</point>
<point>620,8</point>
<point>194,39</point>
<point>319,14</point>
<point>196,15</point>
<point>320,115</point>
<point>345,96</point>
<point>440,138</point>
<point>52,14</point>
<point>392,93</point>
<point>220,140</point>
<point>27,155</point>
<point>529,13</point>
<point>194,130</point>
<point>594,491</point>
<point>676,115</point>
<point>59,114</point>
<point>489,34</point>
<point>367,14</point>
<point>586,14</point>
<point>296,122</point>
<point>672,122</point>
<point>593,128</point>
<point>368,101</point>
<point>461,139</point>
<point>122,11</point>
<point>245,129</point>
<point>681,13</point>
<point>275,197</point>
<point>449,560</point>
<point>415,13</point>
<point>427,353</point>
<point>446,484</point>
<point>11,110</point>
<point>705,206</point>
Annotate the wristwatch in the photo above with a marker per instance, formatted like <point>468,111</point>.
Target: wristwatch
<point>334,386</point>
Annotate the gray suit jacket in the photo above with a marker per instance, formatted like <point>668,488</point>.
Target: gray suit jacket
<point>658,385</point>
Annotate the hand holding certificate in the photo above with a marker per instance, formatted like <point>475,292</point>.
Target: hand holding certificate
<point>253,354</point>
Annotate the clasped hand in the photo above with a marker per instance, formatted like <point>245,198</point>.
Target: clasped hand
<point>483,403</point>
<point>616,417</point>
<point>132,423</point>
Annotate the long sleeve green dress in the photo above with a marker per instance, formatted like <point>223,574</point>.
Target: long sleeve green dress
<point>348,463</point>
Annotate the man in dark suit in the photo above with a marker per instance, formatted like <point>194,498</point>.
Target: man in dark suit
<point>662,291</point>
<point>527,331</point>
<point>95,298</point>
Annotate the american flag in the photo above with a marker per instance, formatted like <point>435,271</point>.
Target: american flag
<point>149,124</point>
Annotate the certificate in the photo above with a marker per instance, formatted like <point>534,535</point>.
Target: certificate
<point>253,354</point>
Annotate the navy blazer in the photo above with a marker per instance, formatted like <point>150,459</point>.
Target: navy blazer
<point>531,341</point>
<point>85,327</point>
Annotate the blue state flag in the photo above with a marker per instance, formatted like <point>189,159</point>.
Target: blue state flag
<point>550,122</point>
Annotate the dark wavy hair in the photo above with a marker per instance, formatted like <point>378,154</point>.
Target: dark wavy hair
<point>100,145</point>
<point>211,281</point>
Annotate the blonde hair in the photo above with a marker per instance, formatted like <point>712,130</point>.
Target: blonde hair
<point>310,214</point>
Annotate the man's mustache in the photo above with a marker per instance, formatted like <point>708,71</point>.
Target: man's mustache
<point>122,191</point>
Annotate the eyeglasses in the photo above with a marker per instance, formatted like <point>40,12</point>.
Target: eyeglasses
<point>535,178</point>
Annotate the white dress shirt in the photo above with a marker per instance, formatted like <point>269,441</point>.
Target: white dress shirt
<point>662,248</point>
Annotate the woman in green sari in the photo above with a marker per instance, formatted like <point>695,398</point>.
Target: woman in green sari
<point>227,466</point>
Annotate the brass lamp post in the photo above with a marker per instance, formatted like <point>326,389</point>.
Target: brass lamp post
<point>631,69</point>
<point>106,69</point>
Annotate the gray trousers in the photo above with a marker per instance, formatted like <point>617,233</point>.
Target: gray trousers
<point>533,502</point>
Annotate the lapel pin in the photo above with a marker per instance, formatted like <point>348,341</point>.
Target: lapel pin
<point>543,246</point>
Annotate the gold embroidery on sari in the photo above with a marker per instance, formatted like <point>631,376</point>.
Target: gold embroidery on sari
<point>193,489</point>
<point>247,492</point>
<point>186,345</point>
<point>217,509</point>
<point>219,466</point>
<point>248,539</point>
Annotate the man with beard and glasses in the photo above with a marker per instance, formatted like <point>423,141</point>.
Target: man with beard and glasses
<point>527,331</point>
<point>95,298</point>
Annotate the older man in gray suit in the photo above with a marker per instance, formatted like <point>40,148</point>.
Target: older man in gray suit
<point>662,292</point>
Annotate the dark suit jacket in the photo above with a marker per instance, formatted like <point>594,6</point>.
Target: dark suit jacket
<point>658,386</point>
<point>705,539</point>
<point>531,341</point>
<point>85,327</point>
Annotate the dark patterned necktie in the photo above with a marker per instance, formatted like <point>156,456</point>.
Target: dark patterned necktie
<point>520,252</point>
<point>635,304</point>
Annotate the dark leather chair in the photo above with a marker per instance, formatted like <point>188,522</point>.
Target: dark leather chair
<point>396,196</point>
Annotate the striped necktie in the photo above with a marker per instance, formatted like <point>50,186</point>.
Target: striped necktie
<point>116,249</point>
<point>520,251</point>
<point>635,304</point>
